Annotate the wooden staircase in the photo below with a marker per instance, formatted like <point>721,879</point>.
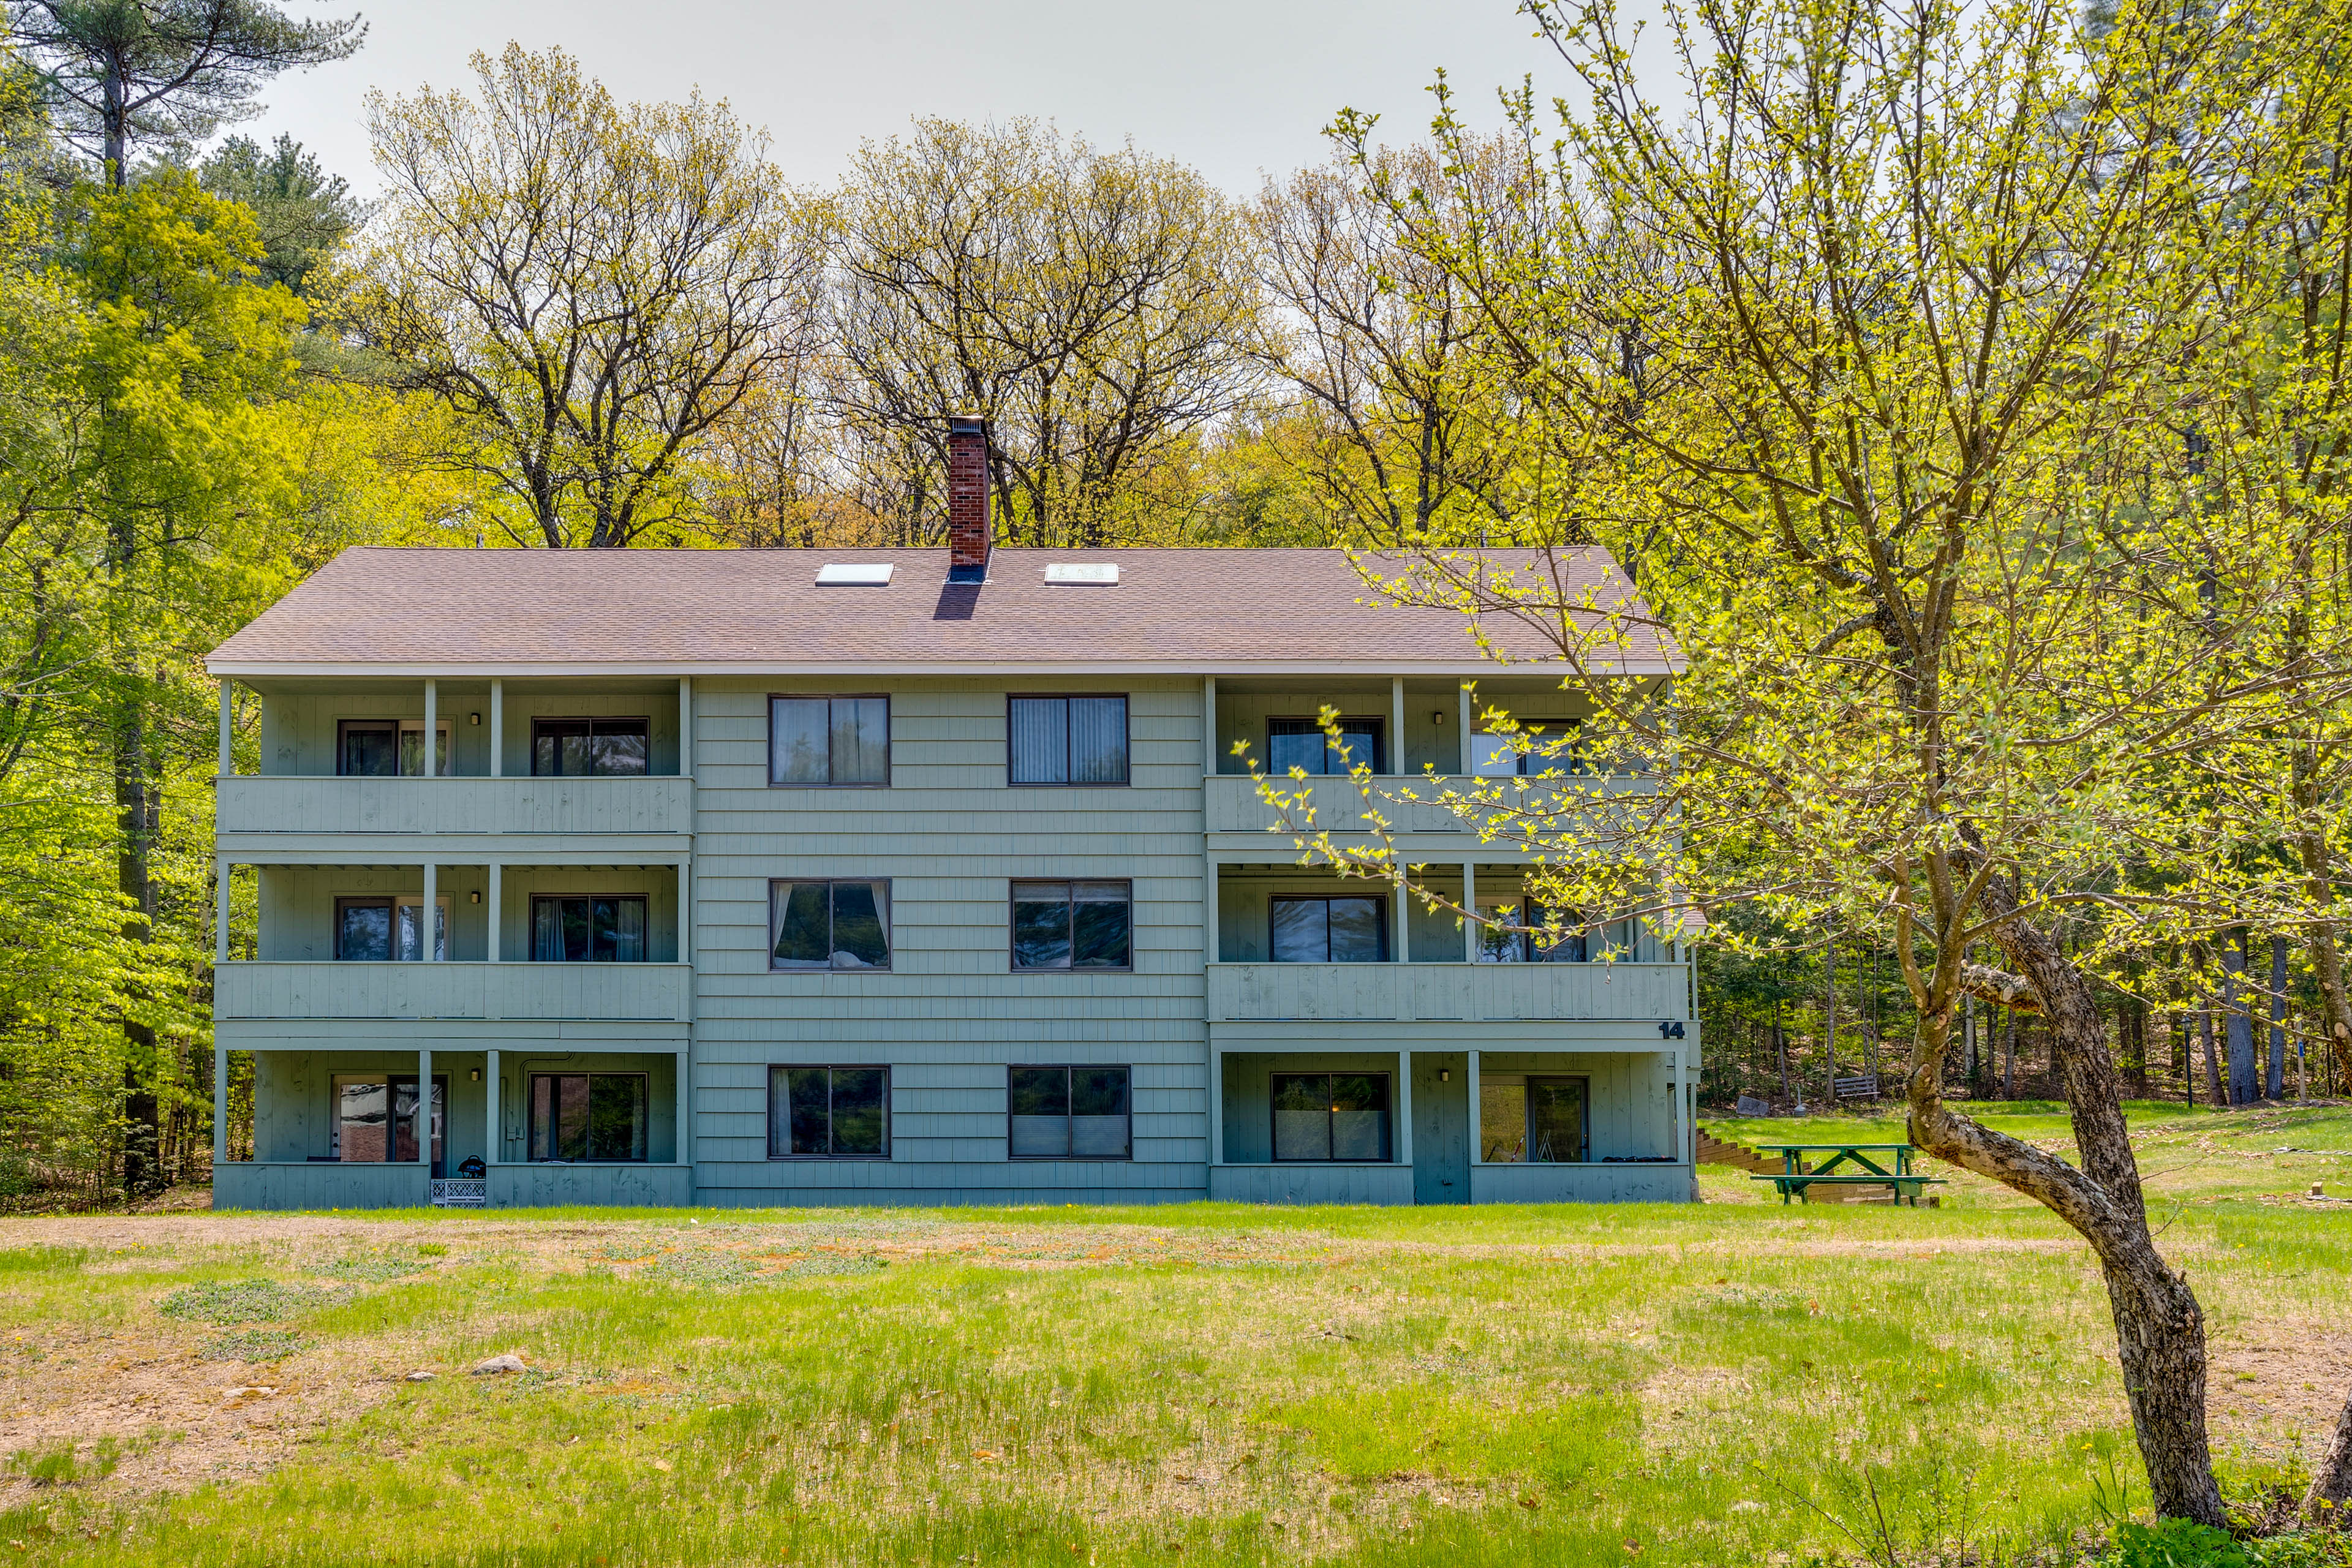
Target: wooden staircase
<point>1714,1150</point>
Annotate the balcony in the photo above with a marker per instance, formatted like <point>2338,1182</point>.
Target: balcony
<point>464,806</point>
<point>1233,805</point>
<point>1470,992</point>
<point>603,993</point>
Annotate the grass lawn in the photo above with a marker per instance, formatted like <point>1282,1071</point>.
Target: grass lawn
<point>1718,1384</point>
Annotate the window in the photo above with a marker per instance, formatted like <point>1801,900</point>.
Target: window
<point>1531,1121</point>
<point>1065,740</point>
<point>1329,931</point>
<point>1068,1113</point>
<point>1301,743</point>
<point>388,928</point>
<point>583,748</point>
<point>588,1116</point>
<point>816,743</point>
<point>829,925</point>
<point>1496,944</point>
<point>1330,1116</point>
<point>374,1119</point>
<point>828,1113</point>
<point>1495,756</point>
<point>593,928</point>
<point>389,748</point>
<point>1072,925</point>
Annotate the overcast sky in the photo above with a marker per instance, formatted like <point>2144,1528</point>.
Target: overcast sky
<point>1232,87</point>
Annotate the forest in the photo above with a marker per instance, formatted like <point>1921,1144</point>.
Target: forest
<point>1965,392</point>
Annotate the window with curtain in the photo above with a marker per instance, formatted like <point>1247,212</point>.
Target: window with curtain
<point>825,742</point>
<point>389,748</point>
<point>374,1118</point>
<point>1301,743</point>
<point>388,928</point>
<point>1330,1116</point>
<point>1068,1113</point>
<point>1531,1120</point>
<point>1551,750</point>
<point>829,924</point>
<point>589,1116</point>
<point>1065,740</point>
<point>1328,929</point>
<point>828,1113</point>
<point>588,928</point>
<point>1613,940</point>
<point>1495,944</point>
<point>1072,925</point>
<point>590,747</point>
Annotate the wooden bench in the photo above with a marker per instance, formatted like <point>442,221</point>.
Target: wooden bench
<point>1863,1086</point>
<point>1904,1189</point>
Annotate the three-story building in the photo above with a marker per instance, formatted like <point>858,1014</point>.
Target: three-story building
<point>905,877</point>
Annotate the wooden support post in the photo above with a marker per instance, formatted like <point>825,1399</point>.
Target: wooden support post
<point>1469,757</point>
<point>432,724</point>
<point>227,730</point>
<point>491,1146</point>
<point>685,912</point>
<point>1477,1133</point>
<point>495,907</point>
<point>1403,886</point>
<point>1216,1105</point>
<point>1403,1152</point>
<point>1674,1100</point>
<point>220,1106</point>
<point>1209,725</point>
<point>221,871</point>
<point>428,917</point>
<point>686,1114</point>
<point>498,728</point>
<point>1211,939</point>
<point>1470,902</point>
<point>686,726</point>
<point>1396,724</point>
<point>425,1108</point>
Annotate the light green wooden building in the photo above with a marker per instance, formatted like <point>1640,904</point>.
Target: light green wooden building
<point>788,877</point>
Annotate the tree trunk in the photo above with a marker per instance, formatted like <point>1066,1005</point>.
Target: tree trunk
<point>2212,1058</point>
<point>136,817</point>
<point>2159,1328</point>
<point>2274,1079</point>
<point>2238,1019</point>
<point>2331,1483</point>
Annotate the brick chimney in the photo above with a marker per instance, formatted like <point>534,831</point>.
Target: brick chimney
<point>968,527</point>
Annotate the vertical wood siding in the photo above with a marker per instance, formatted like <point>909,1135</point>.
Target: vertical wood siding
<point>950,1016</point>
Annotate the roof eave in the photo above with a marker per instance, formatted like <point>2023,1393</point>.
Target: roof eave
<point>231,668</point>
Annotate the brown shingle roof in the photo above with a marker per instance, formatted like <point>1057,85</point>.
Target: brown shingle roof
<point>719,611</point>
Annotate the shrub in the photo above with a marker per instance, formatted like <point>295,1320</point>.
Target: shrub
<point>2174,1543</point>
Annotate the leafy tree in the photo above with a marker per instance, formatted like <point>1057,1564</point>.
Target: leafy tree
<point>304,213</point>
<point>1874,361</point>
<point>1388,355</point>
<point>120,72</point>
<point>1094,305</point>
<point>590,288</point>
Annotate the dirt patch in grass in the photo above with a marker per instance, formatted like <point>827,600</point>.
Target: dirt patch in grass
<point>174,1418</point>
<point>2280,1396</point>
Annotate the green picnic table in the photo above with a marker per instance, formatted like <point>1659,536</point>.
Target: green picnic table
<point>1794,1176</point>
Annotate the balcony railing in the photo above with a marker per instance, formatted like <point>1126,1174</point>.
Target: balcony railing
<point>1339,993</point>
<point>606,992</point>
<point>1233,805</point>
<point>300,804</point>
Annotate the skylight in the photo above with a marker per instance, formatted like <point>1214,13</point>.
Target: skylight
<point>849,575</point>
<point>1082,573</point>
